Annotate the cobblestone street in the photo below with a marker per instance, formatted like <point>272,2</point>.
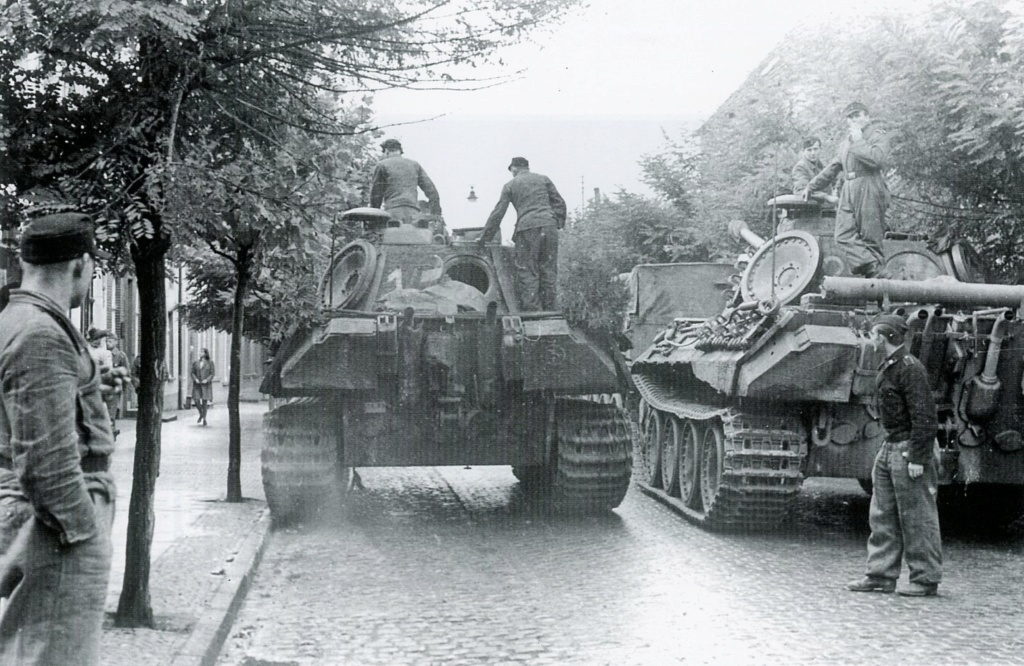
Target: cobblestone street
<point>451,566</point>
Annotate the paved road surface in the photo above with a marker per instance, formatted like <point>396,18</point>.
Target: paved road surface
<point>456,566</point>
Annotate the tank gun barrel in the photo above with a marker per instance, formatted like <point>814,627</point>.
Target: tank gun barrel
<point>857,290</point>
<point>739,230</point>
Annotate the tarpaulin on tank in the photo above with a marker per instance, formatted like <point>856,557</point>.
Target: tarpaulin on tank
<point>445,297</point>
<point>658,293</point>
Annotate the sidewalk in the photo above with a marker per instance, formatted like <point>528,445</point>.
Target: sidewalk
<point>204,549</point>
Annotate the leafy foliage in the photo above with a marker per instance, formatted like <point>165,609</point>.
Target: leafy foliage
<point>102,102</point>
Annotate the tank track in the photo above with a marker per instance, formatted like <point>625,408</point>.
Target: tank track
<point>594,456</point>
<point>302,473</point>
<point>760,471</point>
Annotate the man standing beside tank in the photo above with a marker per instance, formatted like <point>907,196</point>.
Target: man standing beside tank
<point>540,213</point>
<point>55,448</point>
<point>860,219</point>
<point>903,516</point>
<point>394,183</point>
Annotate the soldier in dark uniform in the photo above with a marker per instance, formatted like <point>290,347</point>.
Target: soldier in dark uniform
<point>394,183</point>
<point>860,219</point>
<point>540,212</point>
<point>904,517</point>
<point>807,167</point>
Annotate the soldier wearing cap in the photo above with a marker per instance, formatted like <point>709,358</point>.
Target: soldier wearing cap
<point>864,198</point>
<point>394,183</point>
<point>540,213</point>
<point>903,516</point>
<point>806,168</point>
<point>55,447</point>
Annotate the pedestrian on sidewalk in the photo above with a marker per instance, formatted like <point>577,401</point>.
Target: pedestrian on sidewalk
<point>904,516</point>
<point>203,372</point>
<point>55,447</point>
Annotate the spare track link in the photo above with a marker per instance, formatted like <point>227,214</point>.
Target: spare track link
<point>761,468</point>
<point>594,462</point>
<point>300,459</point>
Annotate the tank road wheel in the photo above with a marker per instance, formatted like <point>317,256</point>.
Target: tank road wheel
<point>593,458</point>
<point>712,457</point>
<point>670,448</point>
<point>689,463</point>
<point>301,459</point>
<point>652,447</point>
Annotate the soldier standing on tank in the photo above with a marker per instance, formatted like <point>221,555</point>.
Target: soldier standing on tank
<point>807,167</point>
<point>860,219</point>
<point>903,516</point>
<point>540,212</point>
<point>394,183</point>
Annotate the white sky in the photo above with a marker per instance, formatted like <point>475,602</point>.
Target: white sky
<point>597,93</point>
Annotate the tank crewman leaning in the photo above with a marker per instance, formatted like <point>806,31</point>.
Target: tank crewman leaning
<point>904,517</point>
<point>807,167</point>
<point>540,212</point>
<point>394,183</point>
<point>860,219</point>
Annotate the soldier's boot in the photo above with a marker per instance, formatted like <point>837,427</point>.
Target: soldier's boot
<point>918,590</point>
<point>870,584</point>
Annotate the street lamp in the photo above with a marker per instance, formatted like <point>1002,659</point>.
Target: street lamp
<point>472,195</point>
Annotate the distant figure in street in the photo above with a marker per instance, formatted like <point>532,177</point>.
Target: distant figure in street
<point>860,219</point>
<point>904,517</point>
<point>394,183</point>
<point>98,349</point>
<point>540,212</point>
<point>55,448</point>
<point>807,167</point>
<point>203,371</point>
<point>120,360</point>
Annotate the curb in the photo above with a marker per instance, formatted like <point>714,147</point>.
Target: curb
<point>211,630</point>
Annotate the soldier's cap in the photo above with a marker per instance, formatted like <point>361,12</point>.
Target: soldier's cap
<point>51,239</point>
<point>852,108</point>
<point>893,327</point>
<point>519,162</point>
<point>392,144</point>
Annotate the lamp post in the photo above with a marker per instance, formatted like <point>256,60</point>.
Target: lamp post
<point>472,195</point>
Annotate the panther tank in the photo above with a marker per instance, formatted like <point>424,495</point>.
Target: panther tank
<point>738,409</point>
<point>425,358</point>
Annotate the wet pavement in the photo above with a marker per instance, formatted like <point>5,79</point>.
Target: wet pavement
<point>459,566</point>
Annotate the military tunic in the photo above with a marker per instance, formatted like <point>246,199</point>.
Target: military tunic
<point>394,184</point>
<point>863,200</point>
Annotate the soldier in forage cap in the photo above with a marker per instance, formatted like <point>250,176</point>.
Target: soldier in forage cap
<point>394,184</point>
<point>540,213</point>
<point>55,448</point>
<point>862,158</point>
<point>904,517</point>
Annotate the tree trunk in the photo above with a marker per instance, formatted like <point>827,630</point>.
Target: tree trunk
<point>234,379</point>
<point>134,609</point>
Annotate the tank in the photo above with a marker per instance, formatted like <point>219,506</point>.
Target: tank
<point>424,358</point>
<point>738,409</point>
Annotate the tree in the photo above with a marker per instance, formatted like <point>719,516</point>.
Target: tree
<point>945,85</point>
<point>260,213</point>
<point>99,99</point>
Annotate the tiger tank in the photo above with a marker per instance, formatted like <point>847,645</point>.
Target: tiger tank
<point>738,409</point>
<point>424,357</point>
